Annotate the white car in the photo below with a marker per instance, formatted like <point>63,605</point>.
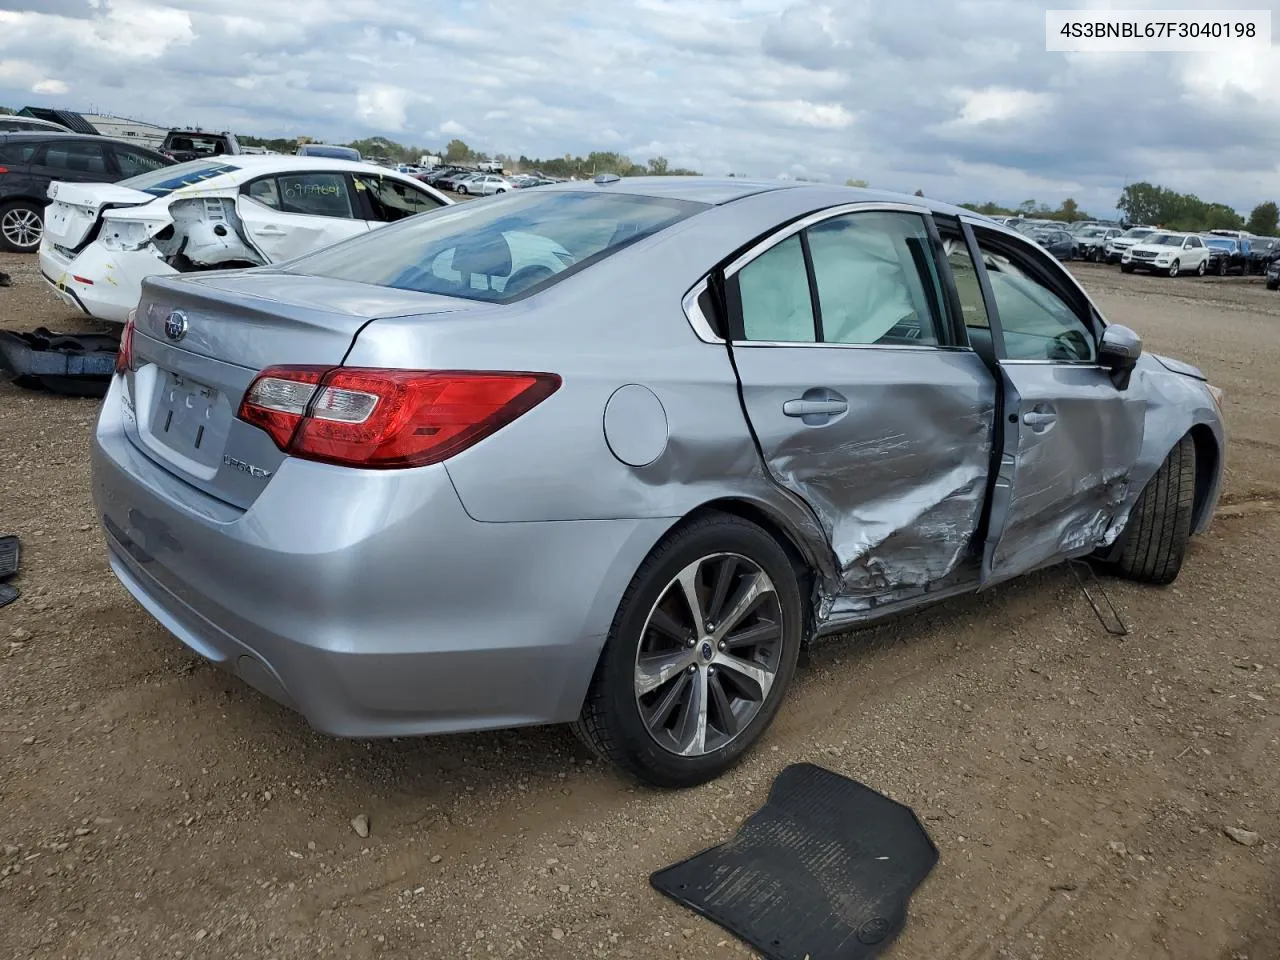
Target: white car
<point>485,185</point>
<point>102,239</point>
<point>1169,253</point>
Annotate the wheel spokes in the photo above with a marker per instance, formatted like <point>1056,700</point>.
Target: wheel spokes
<point>724,710</point>
<point>754,588</point>
<point>766,631</point>
<point>653,670</point>
<point>656,720</point>
<point>688,580</point>
<point>693,724</point>
<point>753,678</point>
<point>725,570</point>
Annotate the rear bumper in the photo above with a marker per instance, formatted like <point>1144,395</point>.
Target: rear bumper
<point>368,600</point>
<point>115,279</point>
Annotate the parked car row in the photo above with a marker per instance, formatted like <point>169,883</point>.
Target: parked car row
<point>479,182</point>
<point>1172,252</point>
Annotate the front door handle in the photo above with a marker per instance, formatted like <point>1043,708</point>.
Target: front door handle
<point>1037,420</point>
<point>814,408</point>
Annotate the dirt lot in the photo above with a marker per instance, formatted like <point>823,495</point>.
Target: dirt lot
<point>1077,785</point>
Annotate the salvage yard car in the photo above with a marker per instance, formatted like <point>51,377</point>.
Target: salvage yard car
<point>406,485</point>
<point>1167,253</point>
<point>1226,255</point>
<point>1116,246</point>
<point>29,162</point>
<point>220,213</point>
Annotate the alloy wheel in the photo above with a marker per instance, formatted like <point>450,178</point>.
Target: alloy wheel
<point>1174,268</point>
<point>22,227</point>
<point>708,655</point>
<point>1200,270</point>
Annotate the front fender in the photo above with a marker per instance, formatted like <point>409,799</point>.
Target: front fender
<point>1175,406</point>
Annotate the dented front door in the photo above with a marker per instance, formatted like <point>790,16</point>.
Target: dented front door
<point>1070,436</point>
<point>858,402</point>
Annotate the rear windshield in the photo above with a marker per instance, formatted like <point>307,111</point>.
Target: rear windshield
<point>162,182</point>
<point>333,153</point>
<point>500,249</point>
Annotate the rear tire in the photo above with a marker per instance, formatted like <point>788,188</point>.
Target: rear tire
<point>1160,525</point>
<point>1200,270</point>
<point>21,226</point>
<point>627,725</point>
<point>462,189</point>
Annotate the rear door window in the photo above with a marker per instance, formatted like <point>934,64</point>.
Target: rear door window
<point>315,194</point>
<point>391,199</point>
<point>165,180</point>
<point>77,156</point>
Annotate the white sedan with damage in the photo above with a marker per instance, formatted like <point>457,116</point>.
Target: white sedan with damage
<point>102,239</point>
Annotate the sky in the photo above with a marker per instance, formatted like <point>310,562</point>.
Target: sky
<point>957,98</point>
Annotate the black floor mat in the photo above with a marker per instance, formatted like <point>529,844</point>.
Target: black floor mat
<point>823,870</point>
<point>10,550</point>
<point>8,594</point>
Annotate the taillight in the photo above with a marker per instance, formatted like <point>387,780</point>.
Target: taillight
<point>375,418</point>
<point>4,169</point>
<point>124,358</point>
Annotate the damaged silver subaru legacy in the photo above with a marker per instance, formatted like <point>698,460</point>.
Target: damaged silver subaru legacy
<point>418,482</point>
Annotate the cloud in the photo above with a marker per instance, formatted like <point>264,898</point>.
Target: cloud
<point>49,87</point>
<point>955,97</point>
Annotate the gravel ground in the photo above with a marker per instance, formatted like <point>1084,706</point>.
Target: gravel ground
<point>1079,787</point>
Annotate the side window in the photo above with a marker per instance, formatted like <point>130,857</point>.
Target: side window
<point>76,156</point>
<point>316,194</point>
<point>773,291</point>
<point>1195,242</point>
<point>876,279</point>
<point>1037,323</point>
<point>965,275</point>
<point>265,192</point>
<point>393,199</point>
<point>19,152</point>
<point>133,162</point>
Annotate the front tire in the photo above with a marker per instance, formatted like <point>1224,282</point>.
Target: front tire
<point>462,189</point>
<point>1160,525</point>
<point>1222,267</point>
<point>677,700</point>
<point>1174,268</point>
<point>21,226</point>
<point>1126,268</point>
<point>1273,286</point>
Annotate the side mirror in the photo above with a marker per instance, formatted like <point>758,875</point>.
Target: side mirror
<point>1119,352</point>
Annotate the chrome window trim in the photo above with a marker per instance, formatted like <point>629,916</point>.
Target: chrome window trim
<point>702,327</point>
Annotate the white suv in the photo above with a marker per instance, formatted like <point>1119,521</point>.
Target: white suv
<point>1170,253</point>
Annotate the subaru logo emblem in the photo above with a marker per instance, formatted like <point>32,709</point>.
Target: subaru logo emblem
<point>175,325</point>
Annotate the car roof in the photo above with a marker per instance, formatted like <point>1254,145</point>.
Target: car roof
<point>716,190</point>
<point>55,135</point>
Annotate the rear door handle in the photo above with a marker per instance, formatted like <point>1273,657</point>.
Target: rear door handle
<point>814,408</point>
<point>1037,420</point>
<point>269,231</point>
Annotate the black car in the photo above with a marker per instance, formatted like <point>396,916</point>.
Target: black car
<point>1058,242</point>
<point>1226,255</point>
<point>1273,275</point>
<point>185,145</point>
<point>1262,250</point>
<point>29,162</point>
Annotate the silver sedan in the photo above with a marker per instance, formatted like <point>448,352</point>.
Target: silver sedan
<point>485,185</point>
<point>608,453</point>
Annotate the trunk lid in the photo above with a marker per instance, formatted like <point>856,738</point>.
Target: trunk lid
<point>222,330</point>
<point>77,207</point>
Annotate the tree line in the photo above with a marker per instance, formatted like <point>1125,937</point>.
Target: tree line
<point>457,151</point>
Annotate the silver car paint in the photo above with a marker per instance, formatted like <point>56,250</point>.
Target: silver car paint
<point>478,593</point>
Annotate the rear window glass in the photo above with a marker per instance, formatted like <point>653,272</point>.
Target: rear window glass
<point>162,182</point>
<point>497,250</point>
<point>18,151</point>
<point>324,150</point>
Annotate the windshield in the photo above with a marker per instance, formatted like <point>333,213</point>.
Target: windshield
<point>1220,243</point>
<point>165,180</point>
<point>1164,240</point>
<point>335,153</point>
<point>1138,232</point>
<point>1093,232</point>
<point>496,250</point>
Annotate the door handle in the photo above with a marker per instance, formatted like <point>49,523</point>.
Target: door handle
<point>814,408</point>
<point>1037,420</point>
<point>269,231</point>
